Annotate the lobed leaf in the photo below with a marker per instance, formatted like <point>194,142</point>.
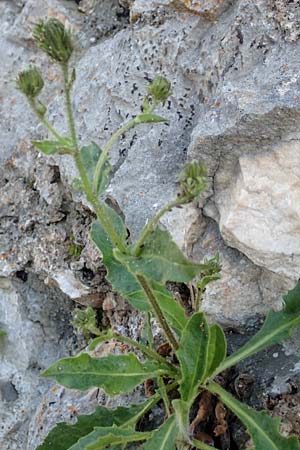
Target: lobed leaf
<point>161,260</point>
<point>263,429</point>
<point>64,434</point>
<point>164,437</point>
<point>114,373</point>
<point>89,156</point>
<point>193,356</point>
<point>277,327</point>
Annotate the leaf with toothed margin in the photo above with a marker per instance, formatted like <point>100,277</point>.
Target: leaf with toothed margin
<point>64,435</point>
<point>161,260</point>
<point>116,374</point>
<point>193,356</point>
<point>124,282</point>
<point>101,437</point>
<point>164,437</point>
<point>263,429</point>
<point>278,325</point>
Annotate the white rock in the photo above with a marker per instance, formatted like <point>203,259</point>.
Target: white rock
<point>69,285</point>
<point>260,213</point>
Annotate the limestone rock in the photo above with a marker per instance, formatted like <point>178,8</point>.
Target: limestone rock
<point>260,214</point>
<point>209,9</point>
<point>38,331</point>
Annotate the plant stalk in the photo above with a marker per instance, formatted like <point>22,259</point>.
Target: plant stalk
<point>71,122</point>
<point>126,127</point>
<point>99,210</point>
<point>131,124</point>
<point>45,122</point>
<point>150,227</point>
<point>147,351</point>
<point>158,312</point>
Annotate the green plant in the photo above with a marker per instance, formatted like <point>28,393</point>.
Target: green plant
<point>139,272</point>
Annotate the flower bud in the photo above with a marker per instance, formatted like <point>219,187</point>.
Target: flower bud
<point>30,82</point>
<point>54,39</point>
<point>193,179</point>
<point>159,89</point>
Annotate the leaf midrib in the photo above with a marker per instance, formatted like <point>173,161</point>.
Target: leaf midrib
<point>239,355</point>
<point>245,418</point>
<point>109,373</point>
<point>194,375</point>
<point>167,435</point>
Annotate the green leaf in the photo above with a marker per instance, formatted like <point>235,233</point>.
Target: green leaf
<point>124,282</point>
<point>161,260</point>
<point>193,356</point>
<point>102,338</point>
<point>114,373</point>
<point>53,147</point>
<point>203,446</point>
<point>262,428</point>
<point>89,156</point>
<point>2,333</point>
<point>64,435</point>
<point>120,278</point>
<point>277,327</point>
<point>217,348</point>
<point>150,118</point>
<point>163,438</point>
<point>101,437</point>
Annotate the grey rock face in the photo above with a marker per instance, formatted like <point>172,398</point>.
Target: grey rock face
<point>38,331</point>
<point>234,67</point>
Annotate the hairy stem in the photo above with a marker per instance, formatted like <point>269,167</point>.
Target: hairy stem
<point>150,227</point>
<point>124,128</point>
<point>45,122</point>
<point>99,209</point>
<point>158,312</point>
<point>147,351</point>
<point>131,124</point>
<point>155,399</point>
<point>67,86</point>
<point>198,299</point>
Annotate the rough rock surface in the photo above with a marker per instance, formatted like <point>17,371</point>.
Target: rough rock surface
<point>234,67</point>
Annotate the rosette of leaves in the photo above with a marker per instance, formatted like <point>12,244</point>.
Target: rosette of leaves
<point>139,272</point>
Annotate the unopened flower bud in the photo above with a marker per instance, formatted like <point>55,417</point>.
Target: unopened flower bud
<point>193,179</point>
<point>159,89</point>
<point>54,39</point>
<point>30,82</point>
